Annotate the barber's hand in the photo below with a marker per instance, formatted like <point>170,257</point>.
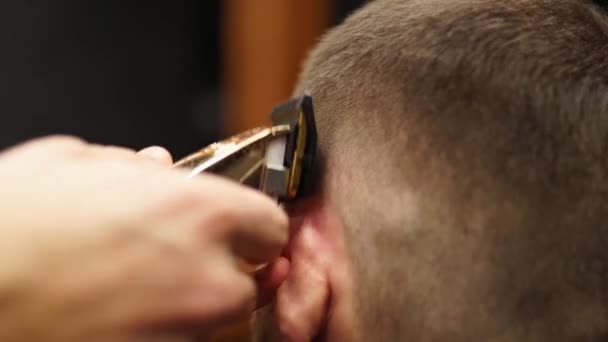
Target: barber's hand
<point>100,244</point>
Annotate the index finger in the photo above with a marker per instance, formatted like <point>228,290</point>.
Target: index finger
<point>250,223</point>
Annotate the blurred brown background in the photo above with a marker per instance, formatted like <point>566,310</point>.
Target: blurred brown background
<point>179,73</point>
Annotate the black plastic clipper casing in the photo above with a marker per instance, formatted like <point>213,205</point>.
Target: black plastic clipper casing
<point>301,147</point>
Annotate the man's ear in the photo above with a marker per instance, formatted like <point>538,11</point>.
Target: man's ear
<point>302,299</point>
<point>314,280</point>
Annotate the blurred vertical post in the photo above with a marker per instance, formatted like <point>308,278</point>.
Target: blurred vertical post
<point>264,44</point>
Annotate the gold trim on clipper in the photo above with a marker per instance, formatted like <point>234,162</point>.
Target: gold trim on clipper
<point>271,159</point>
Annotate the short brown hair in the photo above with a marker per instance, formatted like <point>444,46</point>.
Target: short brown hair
<point>495,115</point>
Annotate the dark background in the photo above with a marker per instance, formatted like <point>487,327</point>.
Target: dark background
<point>132,73</point>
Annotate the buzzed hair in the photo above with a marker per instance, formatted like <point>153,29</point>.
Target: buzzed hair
<point>485,121</point>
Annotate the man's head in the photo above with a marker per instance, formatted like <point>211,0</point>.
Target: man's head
<point>464,187</point>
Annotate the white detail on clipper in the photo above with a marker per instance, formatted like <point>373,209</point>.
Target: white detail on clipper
<point>275,180</point>
<point>275,154</point>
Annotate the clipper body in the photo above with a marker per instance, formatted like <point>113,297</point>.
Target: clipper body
<point>277,160</point>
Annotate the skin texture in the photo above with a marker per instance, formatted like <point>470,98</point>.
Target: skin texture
<point>102,244</point>
<point>317,285</point>
<point>463,189</point>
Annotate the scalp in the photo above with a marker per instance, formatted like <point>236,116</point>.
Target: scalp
<point>451,128</point>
